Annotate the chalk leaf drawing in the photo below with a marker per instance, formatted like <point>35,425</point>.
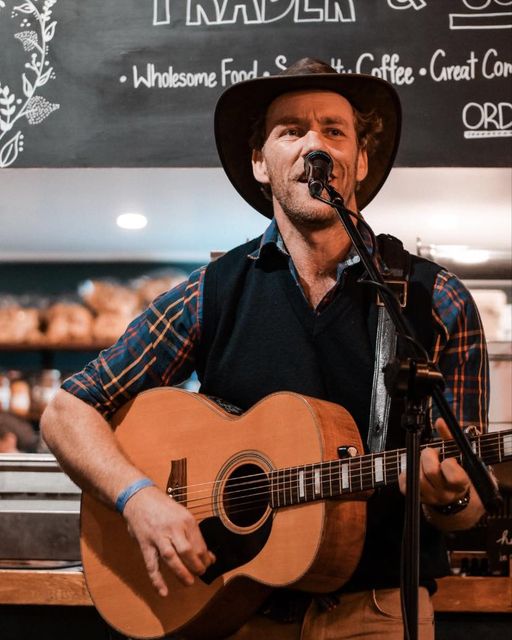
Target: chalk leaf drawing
<point>34,108</point>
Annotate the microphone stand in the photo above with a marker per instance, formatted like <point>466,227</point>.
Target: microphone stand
<point>415,378</point>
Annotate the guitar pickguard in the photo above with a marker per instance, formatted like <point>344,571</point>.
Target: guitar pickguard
<point>231,549</point>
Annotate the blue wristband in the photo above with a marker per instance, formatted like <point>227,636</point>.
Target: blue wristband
<point>130,491</point>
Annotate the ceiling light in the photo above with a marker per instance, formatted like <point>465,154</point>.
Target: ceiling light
<point>131,221</point>
<point>459,253</point>
<point>472,256</point>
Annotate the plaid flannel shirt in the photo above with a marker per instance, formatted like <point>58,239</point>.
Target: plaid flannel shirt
<point>158,347</point>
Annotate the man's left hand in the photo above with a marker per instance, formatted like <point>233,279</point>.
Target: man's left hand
<point>443,482</point>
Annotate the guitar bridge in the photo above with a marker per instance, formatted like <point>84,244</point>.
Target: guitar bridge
<point>177,482</point>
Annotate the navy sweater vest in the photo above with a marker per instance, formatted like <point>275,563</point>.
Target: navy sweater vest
<point>259,335</point>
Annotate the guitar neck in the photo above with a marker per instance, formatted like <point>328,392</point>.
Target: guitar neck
<point>336,478</point>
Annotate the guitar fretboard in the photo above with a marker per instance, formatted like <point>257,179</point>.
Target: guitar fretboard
<point>335,478</point>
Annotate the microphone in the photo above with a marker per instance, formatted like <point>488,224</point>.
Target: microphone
<point>318,167</point>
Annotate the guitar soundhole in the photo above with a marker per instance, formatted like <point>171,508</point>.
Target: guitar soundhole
<point>246,495</point>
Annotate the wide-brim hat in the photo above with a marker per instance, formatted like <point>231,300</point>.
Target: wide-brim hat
<point>242,104</point>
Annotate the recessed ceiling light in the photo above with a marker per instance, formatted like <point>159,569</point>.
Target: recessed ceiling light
<point>131,221</point>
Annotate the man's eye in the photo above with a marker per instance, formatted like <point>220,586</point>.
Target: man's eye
<point>335,132</point>
<point>291,131</point>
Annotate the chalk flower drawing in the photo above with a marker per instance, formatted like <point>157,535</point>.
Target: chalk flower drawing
<point>34,108</point>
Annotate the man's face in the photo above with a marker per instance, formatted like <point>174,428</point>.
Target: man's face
<point>296,124</point>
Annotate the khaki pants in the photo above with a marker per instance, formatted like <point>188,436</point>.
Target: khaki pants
<point>364,615</point>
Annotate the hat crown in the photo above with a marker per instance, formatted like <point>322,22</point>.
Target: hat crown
<point>307,66</point>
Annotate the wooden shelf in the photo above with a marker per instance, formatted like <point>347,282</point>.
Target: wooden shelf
<point>41,587</point>
<point>67,587</point>
<point>475,595</point>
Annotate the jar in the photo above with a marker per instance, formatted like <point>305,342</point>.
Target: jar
<point>45,385</point>
<point>20,395</point>
<point>5,392</point>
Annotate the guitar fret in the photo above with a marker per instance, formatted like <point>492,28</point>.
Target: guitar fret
<point>353,467</point>
<point>307,483</point>
<point>391,465</point>
<point>275,488</point>
<point>356,474</point>
<point>296,484</point>
<point>324,481</point>
<point>396,464</point>
<point>291,485</point>
<point>312,482</point>
<point>286,483</point>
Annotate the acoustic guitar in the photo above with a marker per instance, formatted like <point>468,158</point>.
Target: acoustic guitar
<point>279,494</point>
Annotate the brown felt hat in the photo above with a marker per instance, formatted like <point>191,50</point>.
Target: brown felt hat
<point>243,104</point>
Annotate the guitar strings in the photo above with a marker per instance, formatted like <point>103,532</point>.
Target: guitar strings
<point>360,462</point>
<point>265,487</point>
<point>244,482</point>
<point>201,511</point>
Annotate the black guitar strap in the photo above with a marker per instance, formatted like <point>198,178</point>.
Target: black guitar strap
<point>396,268</point>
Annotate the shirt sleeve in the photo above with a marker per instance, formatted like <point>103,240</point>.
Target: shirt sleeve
<point>460,351</point>
<point>157,349</point>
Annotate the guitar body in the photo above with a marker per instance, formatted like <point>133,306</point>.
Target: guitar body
<point>186,443</point>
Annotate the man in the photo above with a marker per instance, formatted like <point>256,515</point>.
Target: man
<point>286,312</point>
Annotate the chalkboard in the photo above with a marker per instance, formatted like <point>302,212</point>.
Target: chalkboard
<point>133,83</point>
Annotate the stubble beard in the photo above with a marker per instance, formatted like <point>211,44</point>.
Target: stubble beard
<point>303,210</point>
<point>302,216</point>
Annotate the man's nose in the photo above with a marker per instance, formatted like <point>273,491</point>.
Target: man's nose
<point>313,141</point>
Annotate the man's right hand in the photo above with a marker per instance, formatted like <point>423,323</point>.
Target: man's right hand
<point>167,532</point>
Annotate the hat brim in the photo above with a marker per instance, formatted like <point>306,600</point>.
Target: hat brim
<point>242,104</point>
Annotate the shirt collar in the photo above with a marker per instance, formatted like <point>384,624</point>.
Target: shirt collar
<point>271,240</point>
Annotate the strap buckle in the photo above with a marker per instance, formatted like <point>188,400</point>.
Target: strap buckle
<point>399,289</point>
